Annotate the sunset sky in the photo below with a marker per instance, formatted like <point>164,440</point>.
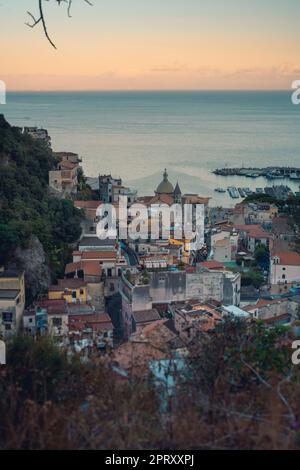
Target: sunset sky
<point>152,44</point>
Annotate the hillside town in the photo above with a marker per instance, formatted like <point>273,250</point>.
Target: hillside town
<point>139,302</point>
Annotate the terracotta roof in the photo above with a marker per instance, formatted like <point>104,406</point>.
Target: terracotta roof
<point>212,265</point>
<point>288,258</point>
<point>90,255</point>
<point>259,233</point>
<point>96,322</point>
<point>161,198</point>
<point>90,268</point>
<point>255,231</point>
<point>73,267</point>
<point>80,309</point>
<point>195,199</point>
<point>71,283</point>
<point>283,316</point>
<point>144,199</point>
<point>262,303</point>
<point>246,228</point>
<point>87,204</point>
<point>53,307</point>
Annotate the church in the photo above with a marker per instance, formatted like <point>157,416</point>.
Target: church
<point>165,193</point>
<point>166,188</point>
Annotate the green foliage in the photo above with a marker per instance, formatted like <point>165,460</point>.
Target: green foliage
<point>261,253</point>
<point>259,198</point>
<point>145,277</point>
<point>26,208</point>
<point>85,192</point>
<point>254,278</point>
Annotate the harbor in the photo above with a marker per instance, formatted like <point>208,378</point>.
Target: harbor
<point>271,172</point>
<point>276,191</point>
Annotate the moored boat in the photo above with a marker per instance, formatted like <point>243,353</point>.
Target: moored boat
<point>233,192</point>
<point>220,190</point>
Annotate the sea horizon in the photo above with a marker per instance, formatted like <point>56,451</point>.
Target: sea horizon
<point>135,134</point>
<point>154,90</point>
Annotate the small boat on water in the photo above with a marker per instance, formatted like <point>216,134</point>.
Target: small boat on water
<point>233,192</point>
<point>247,191</point>
<point>274,175</point>
<point>220,190</point>
<point>295,176</point>
<point>259,190</point>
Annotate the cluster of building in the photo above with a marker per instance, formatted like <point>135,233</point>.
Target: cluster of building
<point>63,180</point>
<point>37,133</point>
<point>149,299</point>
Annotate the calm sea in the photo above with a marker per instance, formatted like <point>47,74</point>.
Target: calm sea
<point>136,135</point>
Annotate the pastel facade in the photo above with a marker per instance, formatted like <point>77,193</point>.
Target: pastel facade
<point>12,301</point>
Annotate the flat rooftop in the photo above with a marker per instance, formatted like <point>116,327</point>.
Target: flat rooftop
<point>9,294</point>
<point>95,241</point>
<point>9,274</point>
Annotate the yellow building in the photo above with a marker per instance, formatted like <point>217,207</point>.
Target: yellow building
<point>13,280</point>
<point>70,290</point>
<point>12,301</point>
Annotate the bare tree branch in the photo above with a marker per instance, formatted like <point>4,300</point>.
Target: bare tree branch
<point>41,18</point>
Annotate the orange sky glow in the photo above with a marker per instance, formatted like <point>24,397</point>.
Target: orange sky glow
<point>135,45</point>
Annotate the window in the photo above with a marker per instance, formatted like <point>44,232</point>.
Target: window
<point>81,291</point>
<point>56,321</point>
<point>283,276</point>
<point>74,294</point>
<point>109,272</point>
<point>7,317</point>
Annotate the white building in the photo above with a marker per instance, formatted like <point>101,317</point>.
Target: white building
<point>222,250</point>
<point>285,268</point>
<point>224,245</point>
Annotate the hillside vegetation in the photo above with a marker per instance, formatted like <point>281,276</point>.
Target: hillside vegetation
<point>26,208</point>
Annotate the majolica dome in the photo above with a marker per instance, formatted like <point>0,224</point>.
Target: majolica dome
<point>165,187</point>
